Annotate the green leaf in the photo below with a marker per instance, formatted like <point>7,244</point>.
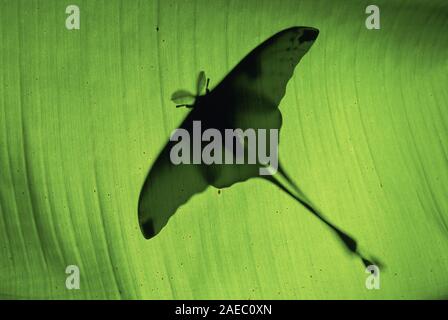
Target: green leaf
<point>84,113</point>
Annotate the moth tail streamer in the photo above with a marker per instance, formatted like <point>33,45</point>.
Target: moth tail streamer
<point>297,194</point>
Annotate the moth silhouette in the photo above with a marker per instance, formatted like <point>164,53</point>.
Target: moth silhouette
<point>248,97</point>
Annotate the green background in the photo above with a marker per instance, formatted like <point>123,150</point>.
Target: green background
<point>84,113</point>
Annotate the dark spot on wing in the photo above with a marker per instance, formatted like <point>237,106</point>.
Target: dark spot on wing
<point>148,229</point>
<point>308,35</point>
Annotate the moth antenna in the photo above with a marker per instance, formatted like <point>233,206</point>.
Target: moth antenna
<point>207,90</point>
